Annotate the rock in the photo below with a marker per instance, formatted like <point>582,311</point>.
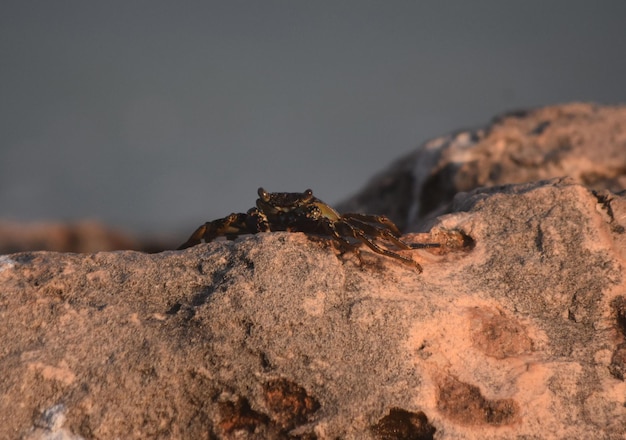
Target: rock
<point>83,236</point>
<point>515,329</point>
<point>80,236</point>
<point>585,142</point>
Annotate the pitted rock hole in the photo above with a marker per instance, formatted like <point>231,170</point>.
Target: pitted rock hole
<point>238,415</point>
<point>401,424</point>
<point>619,306</point>
<point>497,335</point>
<point>465,404</point>
<point>617,368</point>
<point>289,406</point>
<point>289,403</point>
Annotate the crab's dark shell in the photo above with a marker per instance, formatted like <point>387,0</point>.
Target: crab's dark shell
<point>301,212</point>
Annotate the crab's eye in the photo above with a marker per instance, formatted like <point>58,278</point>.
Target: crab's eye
<point>264,195</point>
<point>308,193</point>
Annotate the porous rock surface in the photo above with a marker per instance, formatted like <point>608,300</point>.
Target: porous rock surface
<point>586,142</point>
<point>515,329</point>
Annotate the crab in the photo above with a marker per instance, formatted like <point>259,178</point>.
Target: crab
<point>301,212</point>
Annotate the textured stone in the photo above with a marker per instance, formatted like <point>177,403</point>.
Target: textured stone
<point>585,142</point>
<point>515,329</point>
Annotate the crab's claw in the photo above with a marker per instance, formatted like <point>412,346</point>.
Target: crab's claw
<point>229,227</point>
<point>196,238</point>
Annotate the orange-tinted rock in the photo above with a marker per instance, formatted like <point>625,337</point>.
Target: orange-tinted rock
<point>514,329</point>
<point>82,236</point>
<point>585,142</point>
<point>85,236</point>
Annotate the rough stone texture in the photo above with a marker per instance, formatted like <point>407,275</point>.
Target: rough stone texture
<point>585,142</point>
<point>515,329</point>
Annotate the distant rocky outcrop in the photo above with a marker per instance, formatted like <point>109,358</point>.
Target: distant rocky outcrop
<point>585,142</point>
<point>515,329</point>
<point>80,236</point>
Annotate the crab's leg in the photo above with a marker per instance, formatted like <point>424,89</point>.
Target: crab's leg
<point>229,227</point>
<point>375,229</point>
<point>382,221</point>
<point>256,221</point>
<point>373,246</point>
<point>360,235</point>
<point>344,244</point>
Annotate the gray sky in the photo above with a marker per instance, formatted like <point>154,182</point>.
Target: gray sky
<point>157,116</point>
